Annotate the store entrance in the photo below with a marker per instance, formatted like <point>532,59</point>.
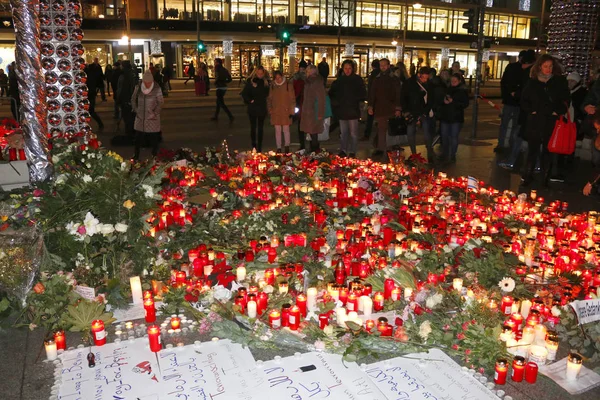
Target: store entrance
<point>249,59</point>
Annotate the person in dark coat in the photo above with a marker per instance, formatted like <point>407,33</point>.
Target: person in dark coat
<point>418,98</point>
<point>299,80</point>
<point>3,83</point>
<point>191,72</point>
<point>255,95</point>
<point>370,119</point>
<point>545,97</point>
<point>578,94</point>
<point>222,78</point>
<point>108,71</point>
<point>451,113</point>
<point>95,81</point>
<point>13,90</point>
<point>114,81</point>
<point>384,102</point>
<point>125,89</point>
<point>313,107</point>
<point>347,93</point>
<point>167,75</point>
<point>324,70</point>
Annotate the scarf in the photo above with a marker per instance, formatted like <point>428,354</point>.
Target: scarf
<point>282,82</point>
<point>146,90</point>
<point>543,77</point>
<point>425,97</point>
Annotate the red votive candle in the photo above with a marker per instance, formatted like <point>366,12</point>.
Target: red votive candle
<point>262,299</point>
<point>154,338</point>
<point>301,303</point>
<point>531,372</point>
<point>285,315</point>
<point>60,339</point>
<point>352,303</point>
<point>388,286</point>
<point>506,306</point>
<point>175,323</point>
<point>501,371</point>
<point>323,320</point>
<point>518,370</point>
<point>275,319</point>
<point>378,301</point>
<point>294,318</point>
<point>149,310</point>
<point>98,332</point>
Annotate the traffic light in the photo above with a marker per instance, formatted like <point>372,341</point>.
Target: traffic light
<point>470,26</point>
<point>284,34</point>
<point>201,47</point>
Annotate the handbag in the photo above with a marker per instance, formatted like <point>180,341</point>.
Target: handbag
<point>397,126</point>
<point>563,136</point>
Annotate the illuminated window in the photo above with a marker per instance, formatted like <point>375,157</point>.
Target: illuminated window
<point>340,13</point>
<point>246,11</point>
<point>368,15</point>
<point>393,17</point>
<point>212,10</point>
<point>418,19</point>
<point>439,20</point>
<point>277,11</point>
<point>309,13</point>
<point>522,28</point>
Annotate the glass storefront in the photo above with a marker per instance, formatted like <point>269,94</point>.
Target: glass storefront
<point>98,50</point>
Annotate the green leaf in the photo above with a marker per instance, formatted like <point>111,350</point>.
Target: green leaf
<point>79,317</point>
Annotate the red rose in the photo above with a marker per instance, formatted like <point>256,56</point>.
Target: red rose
<point>39,288</point>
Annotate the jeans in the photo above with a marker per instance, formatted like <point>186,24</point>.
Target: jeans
<point>450,134</point>
<point>92,111</point>
<point>140,139</point>
<point>369,125</point>
<point>428,125</point>
<point>286,135</point>
<point>349,130</point>
<point>221,103</point>
<point>509,113</point>
<point>257,125</point>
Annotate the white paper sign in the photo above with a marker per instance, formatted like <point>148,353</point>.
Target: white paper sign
<point>317,376</point>
<point>87,293</point>
<point>586,380</point>
<point>587,310</point>
<point>431,376</point>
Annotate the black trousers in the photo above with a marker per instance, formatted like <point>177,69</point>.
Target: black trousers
<point>101,90</point>
<point>93,114</point>
<point>257,125</point>
<point>301,137</point>
<point>127,115</point>
<point>14,108</point>
<point>146,138</point>
<point>221,104</point>
<point>369,125</point>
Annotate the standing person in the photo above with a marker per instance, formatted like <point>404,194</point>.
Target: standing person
<point>313,107</point>
<point>384,102</point>
<point>324,70</point>
<point>346,93</point>
<point>114,81</point>
<point>201,80</point>
<point>281,104</point>
<point>417,101</point>
<point>255,94</point>
<point>578,94</point>
<point>167,75</point>
<point>401,72</point>
<point>191,72</point>
<point>369,125</point>
<point>299,80</point>
<point>222,78</point>
<point>3,83</point>
<point>455,69</point>
<point>147,100</point>
<point>451,113</point>
<point>13,91</point>
<point>125,88</point>
<point>108,71</point>
<point>95,81</point>
<point>545,97</point>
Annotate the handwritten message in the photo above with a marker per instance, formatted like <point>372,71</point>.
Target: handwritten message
<point>317,376</point>
<point>587,310</point>
<point>431,376</point>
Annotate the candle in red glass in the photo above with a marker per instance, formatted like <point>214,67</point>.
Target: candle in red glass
<point>241,303</point>
<point>175,323</point>
<point>518,318</point>
<point>511,324</point>
<point>352,303</point>
<point>388,286</point>
<point>98,332</point>
<point>12,154</point>
<point>249,255</point>
<point>269,276</point>
<point>531,372</point>
<point>301,303</point>
<point>378,301</point>
<point>369,324</point>
<point>22,155</point>
<point>180,277</point>
<point>343,295</point>
<point>518,370</point>
<point>501,371</point>
<point>533,319</point>
<point>285,314</point>
<point>364,270</point>
<point>243,292</point>
<point>149,310</point>
<point>294,318</point>
<point>388,235</point>
<point>275,319</point>
<point>60,339</point>
<point>506,306</point>
<point>367,289</point>
<point>396,292</point>
<point>147,294</point>
<point>323,320</point>
<point>154,338</point>
<point>262,300</point>
<point>389,331</point>
<point>272,254</point>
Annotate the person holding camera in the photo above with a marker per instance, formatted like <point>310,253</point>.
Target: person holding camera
<point>417,102</point>
<point>451,113</point>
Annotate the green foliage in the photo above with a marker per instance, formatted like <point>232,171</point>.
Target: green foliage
<point>173,300</point>
<point>79,317</point>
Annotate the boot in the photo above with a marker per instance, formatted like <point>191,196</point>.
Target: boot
<point>287,149</point>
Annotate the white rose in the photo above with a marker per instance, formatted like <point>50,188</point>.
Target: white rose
<point>106,229</point>
<point>555,311</point>
<point>434,300</point>
<point>87,178</point>
<point>328,330</point>
<point>122,228</point>
<point>55,159</point>
<point>148,191</point>
<point>268,289</point>
<point>425,329</point>
<point>221,293</point>
<point>91,224</point>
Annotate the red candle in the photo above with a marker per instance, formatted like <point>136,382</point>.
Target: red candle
<point>518,370</point>
<point>154,338</point>
<point>180,277</point>
<point>388,286</point>
<point>241,303</point>
<point>352,303</point>
<point>378,301</point>
<point>506,306</point>
<point>261,302</point>
<point>275,319</point>
<point>12,154</point>
<point>370,324</point>
<point>323,320</point>
<point>285,315</point>
<point>301,303</point>
<point>269,277</point>
<point>294,318</point>
<point>175,323</point>
<point>367,289</point>
<point>533,319</point>
<point>149,310</point>
<point>501,371</point>
<point>147,294</point>
<point>249,255</point>
<point>272,255</point>
<point>382,325</point>
<point>389,331</point>
<point>344,295</point>
<point>98,332</point>
<point>518,318</point>
<point>396,292</point>
<point>60,340</point>
<point>531,372</point>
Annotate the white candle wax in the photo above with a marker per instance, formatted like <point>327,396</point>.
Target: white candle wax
<point>538,355</point>
<point>335,294</point>
<point>457,284</point>
<point>528,335</point>
<point>525,307</point>
<point>252,309</point>
<point>208,270</point>
<point>340,314</point>
<point>311,298</point>
<point>241,273</point>
<point>573,370</point>
<point>540,333</point>
<point>51,352</point>
<point>552,348</point>
<point>136,289</point>
<point>511,346</point>
<point>407,293</point>
<point>353,316</point>
<point>522,348</point>
<point>367,306</point>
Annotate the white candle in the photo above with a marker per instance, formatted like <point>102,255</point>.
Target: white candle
<point>552,347</point>
<point>523,348</point>
<point>340,314</point>
<point>457,284</point>
<point>407,293</point>
<point>511,346</point>
<point>528,335</point>
<point>136,289</point>
<point>353,316</point>
<point>525,307</point>
<point>51,352</point>
<point>367,306</point>
<point>538,354</point>
<point>252,309</point>
<point>574,362</point>
<point>540,333</point>
<point>335,294</point>
<point>311,298</point>
<point>208,270</point>
<point>241,273</point>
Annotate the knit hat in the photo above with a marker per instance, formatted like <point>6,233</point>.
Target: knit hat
<point>302,64</point>
<point>148,76</point>
<point>574,76</point>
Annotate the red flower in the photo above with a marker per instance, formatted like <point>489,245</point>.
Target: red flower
<point>39,288</point>
<point>465,326</point>
<point>460,336</point>
<point>418,310</point>
<point>399,321</point>
<point>454,347</point>
<point>468,351</point>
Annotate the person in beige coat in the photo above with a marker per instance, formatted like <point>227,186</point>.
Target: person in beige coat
<point>281,104</point>
<point>313,107</point>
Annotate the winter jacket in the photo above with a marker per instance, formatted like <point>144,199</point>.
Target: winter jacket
<point>513,80</point>
<point>454,111</point>
<point>3,80</point>
<point>95,76</point>
<point>577,98</point>
<point>13,85</point>
<point>298,81</point>
<point>384,95</point>
<point>147,109</point>
<point>281,103</point>
<point>313,105</point>
<point>593,96</point>
<point>539,100</point>
<point>323,69</point>
<point>222,77</point>
<point>114,78</point>
<point>255,94</point>
<point>346,93</point>
<point>371,78</point>
<point>413,97</point>
<point>126,86</point>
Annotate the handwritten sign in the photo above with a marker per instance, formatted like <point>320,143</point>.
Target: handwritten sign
<point>87,293</point>
<point>587,310</point>
<point>431,376</point>
<point>317,376</point>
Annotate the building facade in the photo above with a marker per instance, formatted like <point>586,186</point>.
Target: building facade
<point>243,32</point>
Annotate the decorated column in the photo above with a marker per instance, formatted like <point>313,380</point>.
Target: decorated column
<point>32,91</point>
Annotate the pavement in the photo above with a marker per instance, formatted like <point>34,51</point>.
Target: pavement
<point>186,123</point>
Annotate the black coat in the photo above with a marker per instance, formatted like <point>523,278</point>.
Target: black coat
<point>413,97</point>
<point>539,100</point>
<point>255,94</point>
<point>346,94</point>
<point>222,77</point>
<point>513,80</point>
<point>323,69</point>
<point>454,111</point>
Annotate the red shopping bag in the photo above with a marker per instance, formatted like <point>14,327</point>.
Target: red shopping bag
<point>563,137</point>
